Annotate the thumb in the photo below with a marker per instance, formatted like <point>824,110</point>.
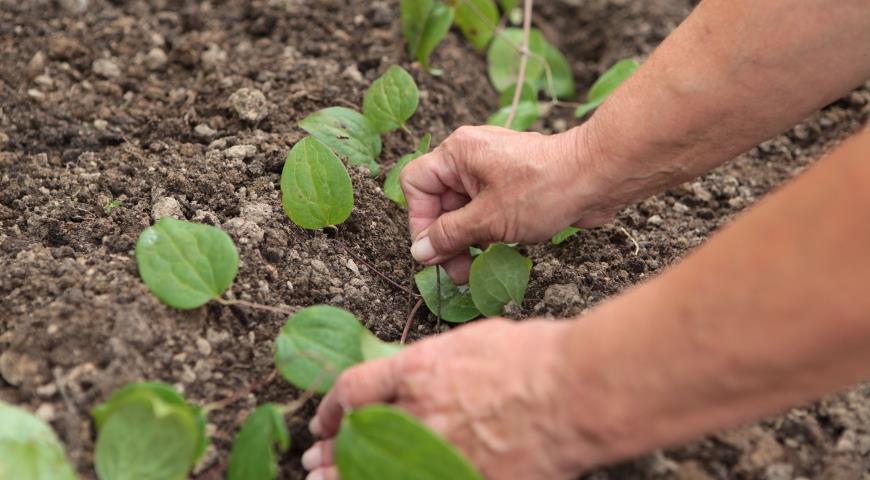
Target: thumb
<point>453,232</point>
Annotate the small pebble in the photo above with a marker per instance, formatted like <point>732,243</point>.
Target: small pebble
<point>250,104</point>
<point>204,131</point>
<point>240,152</point>
<point>106,68</point>
<point>155,59</point>
<point>166,207</point>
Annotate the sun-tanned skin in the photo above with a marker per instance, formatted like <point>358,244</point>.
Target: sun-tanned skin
<point>770,313</point>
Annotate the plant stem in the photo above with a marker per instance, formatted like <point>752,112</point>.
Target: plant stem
<point>210,407</point>
<point>524,61</point>
<point>378,272</point>
<point>410,321</point>
<point>245,303</point>
<point>438,290</point>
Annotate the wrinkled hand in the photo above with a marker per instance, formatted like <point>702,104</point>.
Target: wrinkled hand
<point>494,389</point>
<point>490,184</point>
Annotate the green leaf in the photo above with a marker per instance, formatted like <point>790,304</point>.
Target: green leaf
<point>392,187</point>
<point>160,391</point>
<point>186,264</point>
<point>316,345</point>
<point>456,303</point>
<point>565,234</point>
<point>29,449</point>
<point>414,14</point>
<point>437,25</point>
<point>477,20</point>
<point>527,94</point>
<point>527,113</point>
<point>373,348</point>
<point>563,77</point>
<point>508,5</point>
<point>348,133</point>
<point>253,455</point>
<point>383,443</point>
<point>315,188</point>
<point>145,437</point>
<point>503,58</point>
<point>606,84</point>
<point>474,251</point>
<point>498,276</point>
<point>391,100</point>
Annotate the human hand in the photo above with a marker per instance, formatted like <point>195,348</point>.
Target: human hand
<point>494,389</point>
<point>490,184</point>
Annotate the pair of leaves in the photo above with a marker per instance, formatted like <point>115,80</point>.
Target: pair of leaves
<point>379,442</point>
<point>457,305</point>
<point>186,264</point>
<point>424,24</point>
<point>29,448</point>
<point>392,187</point>
<point>253,454</point>
<point>316,190</point>
<point>148,431</point>
<point>319,342</point>
<point>606,84</point>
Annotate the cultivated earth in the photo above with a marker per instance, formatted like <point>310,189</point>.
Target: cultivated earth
<point>130,110</point>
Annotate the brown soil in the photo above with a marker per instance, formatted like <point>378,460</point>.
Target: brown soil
<point>91,112</point>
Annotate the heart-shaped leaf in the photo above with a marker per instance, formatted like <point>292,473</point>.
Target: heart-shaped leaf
<point>316,345</point>
<point>29,448</point>
<point>503,58</point>
<point>565,234</point>
<point>315,188</point>
<point>606,84</point>
<point>186,264</point>
<point>391,100</point>
<point>144,436</point>
<point>348,133</point>
<point>456,303</point>
<point>477,19</point>
<point>392,187</point>
<point>563,77</point>
<point>383,443</point>
<point>498,276</point>
<point>253,455</point>
<point>524,118</point>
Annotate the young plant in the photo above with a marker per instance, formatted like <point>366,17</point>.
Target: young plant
<point>391,100</point>
<point>564,235</point>
<point>476,19</point>
<point>186,264</point>
<point>392,188</point>
<point>455,304</point>
<point>147,431</point>
<point>606,84</point>
<point>348,133</point>
<point>254,448</point>
<point>29,449</point>
<point>316,190</point>
<point>499,275</point>
<point>424,24</point>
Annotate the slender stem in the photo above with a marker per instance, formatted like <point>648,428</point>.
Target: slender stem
<point>636,245</point>
<point>438,290</point>
<point>524,61</point>
<point>245,303</point>
<point>410,321</point>
<point>378,272</point>
<point>233,397</point>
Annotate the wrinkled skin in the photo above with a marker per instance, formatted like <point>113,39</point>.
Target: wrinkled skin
<point>509,428</point>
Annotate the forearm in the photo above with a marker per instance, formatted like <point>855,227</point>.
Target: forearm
<point>772,312</point>
<point>734,74</point>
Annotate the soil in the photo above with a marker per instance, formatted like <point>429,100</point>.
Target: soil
<point>122,111</point>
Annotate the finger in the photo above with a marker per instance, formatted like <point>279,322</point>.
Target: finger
<point>453,232</point>
<point>321,454</point>
<point>424,181</point>
<point>451,200</point>
<point>458,268</point>
<point>328,473</point>
<point>369,382</point>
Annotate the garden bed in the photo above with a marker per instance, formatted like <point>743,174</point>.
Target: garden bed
<point>122,112</point>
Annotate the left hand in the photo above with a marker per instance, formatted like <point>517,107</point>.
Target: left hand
<point>494,389</point>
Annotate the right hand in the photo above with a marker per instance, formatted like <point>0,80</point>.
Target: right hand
<point>489,184</point>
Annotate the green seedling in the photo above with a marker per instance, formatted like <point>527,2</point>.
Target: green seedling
<point>186,264</point>
<point>29,449</point>
<point>318,343</point>
<point>476,19</point>
<point>565,234</point>
<point>348,133</point>
<point>383,443</point>
<point>147,431</point>
<point>503,58</point>
<point>391,100</point>
<point>498,276</point>
<point>456,304</point>
<point>111,205</point>
<point>316,190</point>
<point>253,455</point>
<point>424,24</point>
<point>392,187</point>
<point>606,84</point>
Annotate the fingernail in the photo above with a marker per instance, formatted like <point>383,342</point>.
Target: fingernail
<point>314,427</point>
<point>318,475</point>
<point>312,458</point>
<point>422,250</point>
